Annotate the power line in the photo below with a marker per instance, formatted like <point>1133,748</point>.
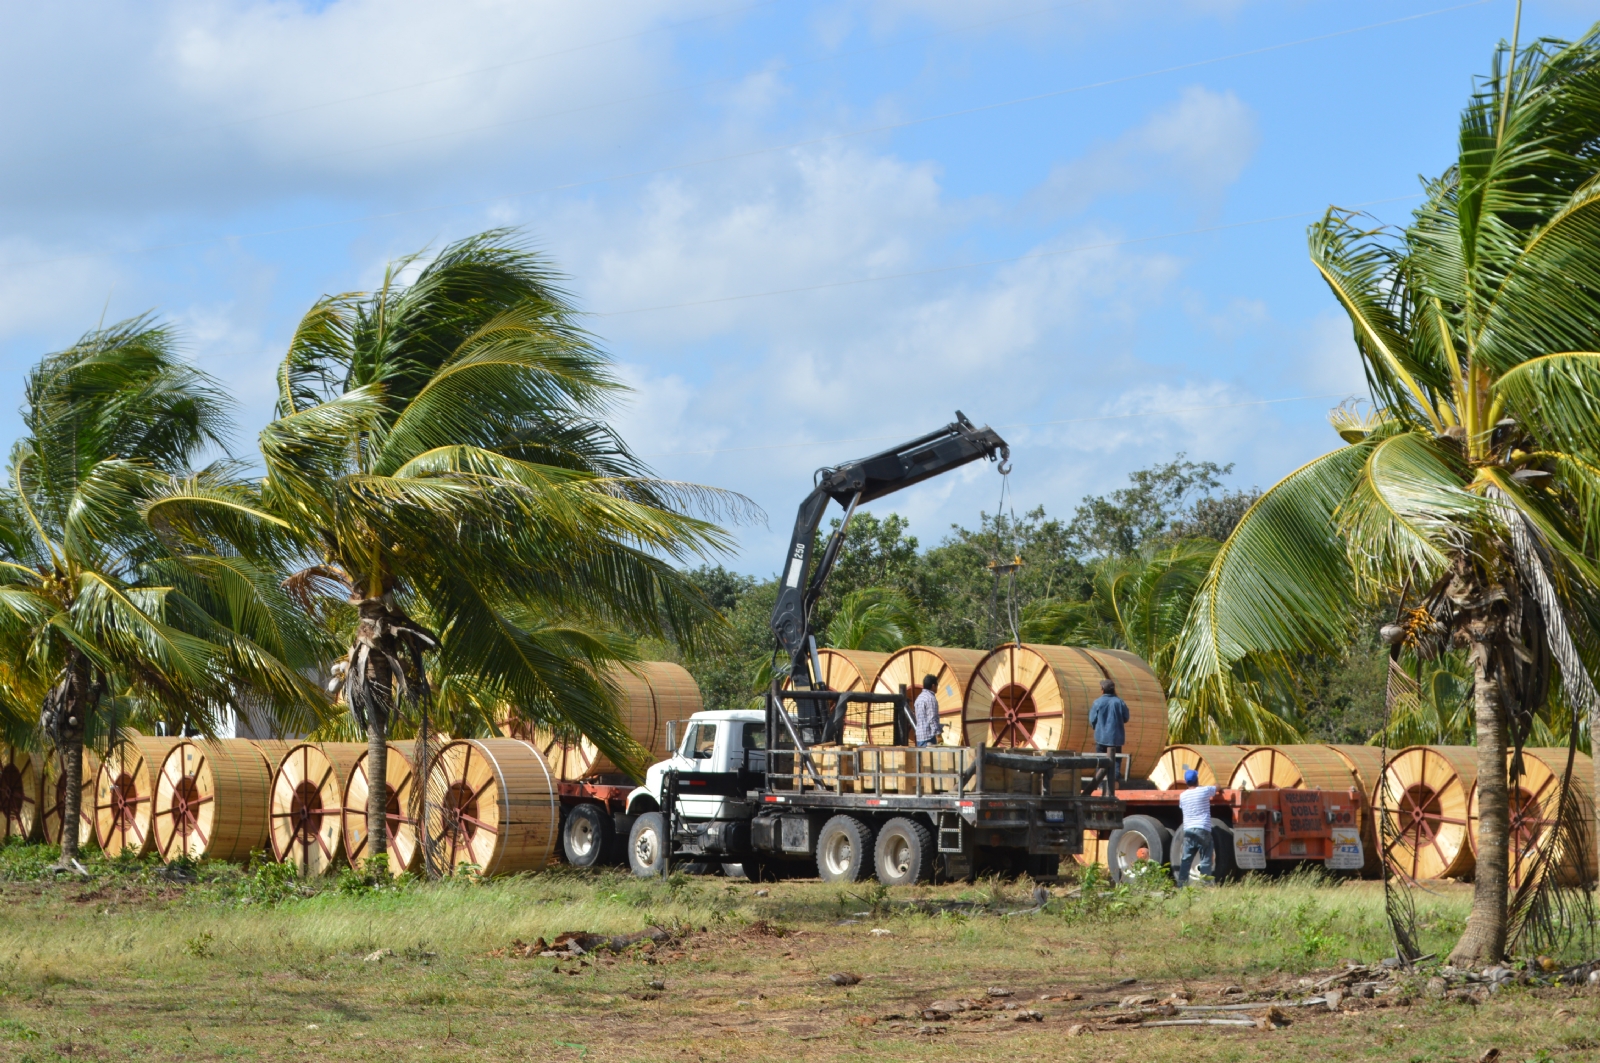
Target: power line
<point>810,142</point>
<point>1026,424</point>
<point>998,261</point>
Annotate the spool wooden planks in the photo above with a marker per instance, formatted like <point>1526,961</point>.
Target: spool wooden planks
<point>1214,765</point>
<point>402,782</point>
<point>19,793</point>
<point>1038,697</point>
<point>849,670</point>
<point>907,668</point>
<point>212,796</point>
<point>1536,846</point>
<point>1427,790</point>
<point>53,797</point>
<point>499,813</point>
<point>652,693</point>
<point>124,795</point>
<point>307,805</point>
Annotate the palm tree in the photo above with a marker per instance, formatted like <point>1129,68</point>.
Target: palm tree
<point>880,619</point>
<point>1471,491</point>
<point>1139,604</point>
<point>438,445</point>
<point>121,575</point>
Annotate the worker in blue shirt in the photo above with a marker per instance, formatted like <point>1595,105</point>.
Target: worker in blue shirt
<point>1109,717</point>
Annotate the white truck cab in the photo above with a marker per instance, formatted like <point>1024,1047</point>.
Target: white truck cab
<point>719,741</point>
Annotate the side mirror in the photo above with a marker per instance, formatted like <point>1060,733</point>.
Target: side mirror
<point>672,735</point>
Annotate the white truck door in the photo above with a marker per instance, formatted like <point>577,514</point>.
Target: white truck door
<point>700,752</point>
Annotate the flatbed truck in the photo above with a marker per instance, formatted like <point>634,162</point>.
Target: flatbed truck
<point>846,813</point>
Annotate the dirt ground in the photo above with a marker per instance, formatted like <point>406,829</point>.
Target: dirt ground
<point>133,967</point>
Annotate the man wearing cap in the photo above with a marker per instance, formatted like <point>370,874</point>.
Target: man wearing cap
<point>927,712</point>
<point>1195,803</point>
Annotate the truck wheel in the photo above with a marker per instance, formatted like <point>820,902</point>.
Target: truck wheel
<point>1141,838</point>
<point>587,837</point>
<point>647,845</point>
<point>904,854</point>
<point>844,850</point>
<point>1222,866</point>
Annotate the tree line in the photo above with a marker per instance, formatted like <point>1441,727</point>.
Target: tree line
<point>446,523</point>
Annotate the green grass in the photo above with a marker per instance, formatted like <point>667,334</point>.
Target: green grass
<point>247,964</point>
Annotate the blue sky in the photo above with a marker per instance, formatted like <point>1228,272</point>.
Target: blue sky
<point>806,230</point>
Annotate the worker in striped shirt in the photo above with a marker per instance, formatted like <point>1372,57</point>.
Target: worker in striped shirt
<point>1195,803</point>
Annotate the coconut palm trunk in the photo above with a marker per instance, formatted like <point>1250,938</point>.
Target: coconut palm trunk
<point>385,667</point>
<point>68,705</point>
<point>1484,939</point>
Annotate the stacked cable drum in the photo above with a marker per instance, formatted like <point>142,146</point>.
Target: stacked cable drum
<point>401,781</point>
<point>857,670</point>
<point>1038,697</point>
<point>307,804</point>
<point>125,795</point>
<point>1213,764</point>
<point>19,792</point>
<point>497,813</point>
<point>212,797</point>
<point>952,671</point>
<point>651,694</point>
<point>1538,848</point>
<point>1426,791</point>
<point>53,797</point>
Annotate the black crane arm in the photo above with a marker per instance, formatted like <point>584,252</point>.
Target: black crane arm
<point>851,484</point>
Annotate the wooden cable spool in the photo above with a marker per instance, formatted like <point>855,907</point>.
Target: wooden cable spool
<point>307,804</point>
<point>401,777</point>
<point>1535,806</point>
<point>53,797</point>
<point>1427,790</point>
<point>1038,697</point>
<point>652,693</point>
<point>1213,764</point>
<point>19,792</point>
<point>499,813</point>
<point>907,668</point>
<point>852,670</point>
<point>211,799</point>
<point>125,793</point>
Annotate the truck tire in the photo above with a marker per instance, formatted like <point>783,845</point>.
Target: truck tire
<point>1141,838</point>
<point>904,853</point>
<point>844,850</point>
<point>587,837</point>
<point>647,845</point>
<point>1222,866</point>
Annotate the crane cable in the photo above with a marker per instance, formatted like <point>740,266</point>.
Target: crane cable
<point>1006,568</point>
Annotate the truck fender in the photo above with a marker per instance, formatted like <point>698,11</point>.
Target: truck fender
<point>641,800</point>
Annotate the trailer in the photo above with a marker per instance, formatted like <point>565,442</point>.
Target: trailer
<point>1251,830</point>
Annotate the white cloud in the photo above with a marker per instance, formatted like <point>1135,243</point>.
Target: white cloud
<point>217,99</point>
<point>1200,144</point>
<point>850,370</point>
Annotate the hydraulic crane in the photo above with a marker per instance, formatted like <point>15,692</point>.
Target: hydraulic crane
<point>850,484</point>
